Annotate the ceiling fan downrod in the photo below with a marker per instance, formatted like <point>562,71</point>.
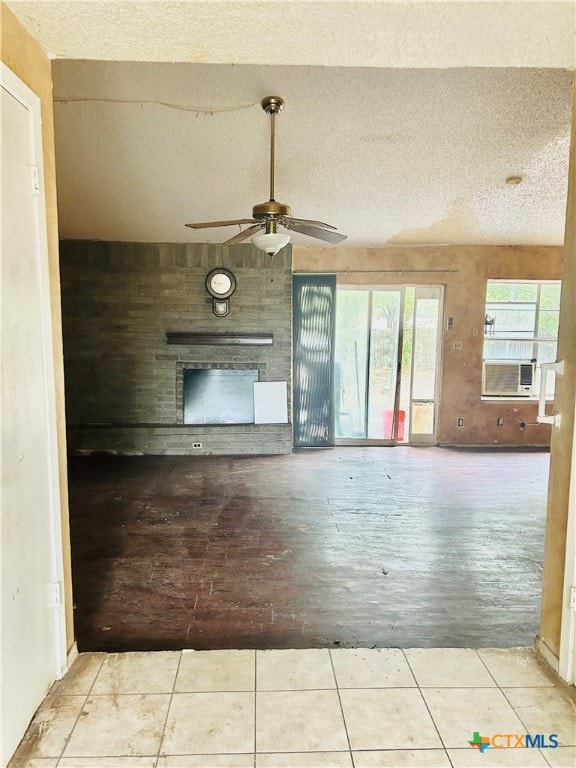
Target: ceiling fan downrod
<point>271,210</point>
<point>272,105</point>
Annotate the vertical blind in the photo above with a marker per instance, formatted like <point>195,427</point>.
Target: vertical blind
<point>314,317</point>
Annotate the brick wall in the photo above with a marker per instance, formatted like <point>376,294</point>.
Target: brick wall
<point>123,382</point>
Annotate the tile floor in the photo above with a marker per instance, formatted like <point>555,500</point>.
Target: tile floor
<point>342,708</point>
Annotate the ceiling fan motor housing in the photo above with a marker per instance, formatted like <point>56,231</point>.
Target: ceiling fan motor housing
<point>270,209</point>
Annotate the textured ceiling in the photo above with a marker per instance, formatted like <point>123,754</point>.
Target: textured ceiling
<point>403,120</point>
<point>386,155</point>
<point>357,33</point>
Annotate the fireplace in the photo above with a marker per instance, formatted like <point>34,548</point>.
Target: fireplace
<point>162,326</point>
<point>219,395</point>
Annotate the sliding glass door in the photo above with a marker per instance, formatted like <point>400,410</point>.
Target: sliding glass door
<point>420,380</point>
<point>368,334</point>
<point>386,362</point>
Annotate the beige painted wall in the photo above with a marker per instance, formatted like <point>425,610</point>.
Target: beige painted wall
<point>22,54</point>
<point>463,270</point>
<point>563,439</point>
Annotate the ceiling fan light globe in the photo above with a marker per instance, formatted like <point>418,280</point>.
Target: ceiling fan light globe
<point>271,242</point>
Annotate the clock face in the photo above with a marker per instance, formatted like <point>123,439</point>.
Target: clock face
<point>220,283</point>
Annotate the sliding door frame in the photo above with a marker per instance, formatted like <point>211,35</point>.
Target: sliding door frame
<point>410,438</point>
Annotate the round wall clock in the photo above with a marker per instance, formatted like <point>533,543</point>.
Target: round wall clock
<point>220,283</point>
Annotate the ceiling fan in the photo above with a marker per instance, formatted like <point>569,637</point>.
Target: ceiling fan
<point>267,216</point>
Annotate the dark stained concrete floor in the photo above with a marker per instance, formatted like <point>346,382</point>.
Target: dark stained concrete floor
<point>384,547</point>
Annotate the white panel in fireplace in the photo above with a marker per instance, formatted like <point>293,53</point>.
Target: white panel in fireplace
<point>270,402</point>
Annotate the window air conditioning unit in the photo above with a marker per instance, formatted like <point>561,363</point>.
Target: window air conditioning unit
<point>507,378</point>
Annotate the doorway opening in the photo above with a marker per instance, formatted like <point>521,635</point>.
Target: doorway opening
<point>387,356</point>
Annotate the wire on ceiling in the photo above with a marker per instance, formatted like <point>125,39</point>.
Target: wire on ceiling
<point>168,104</point>
<point>400,271</point>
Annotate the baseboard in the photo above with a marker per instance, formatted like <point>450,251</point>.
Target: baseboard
<point>72,655</point>
<point>547,653</point>
<point>497,446</point>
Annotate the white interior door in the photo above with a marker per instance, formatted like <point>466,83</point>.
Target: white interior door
<point>567,660</point>
<point>33,632</point>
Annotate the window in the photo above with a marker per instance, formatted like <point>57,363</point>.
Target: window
<point>521,323</point>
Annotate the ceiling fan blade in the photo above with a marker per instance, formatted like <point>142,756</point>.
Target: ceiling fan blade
<point>206,224</point>
<point>312,223</point>
<point>321,234</point>
<point>243,235</point>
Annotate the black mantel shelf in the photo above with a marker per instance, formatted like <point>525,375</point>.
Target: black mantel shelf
<point>236,339</point>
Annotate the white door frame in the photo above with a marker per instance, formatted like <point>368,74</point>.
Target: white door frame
<point>23,94</point>
<point>567,656</point>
